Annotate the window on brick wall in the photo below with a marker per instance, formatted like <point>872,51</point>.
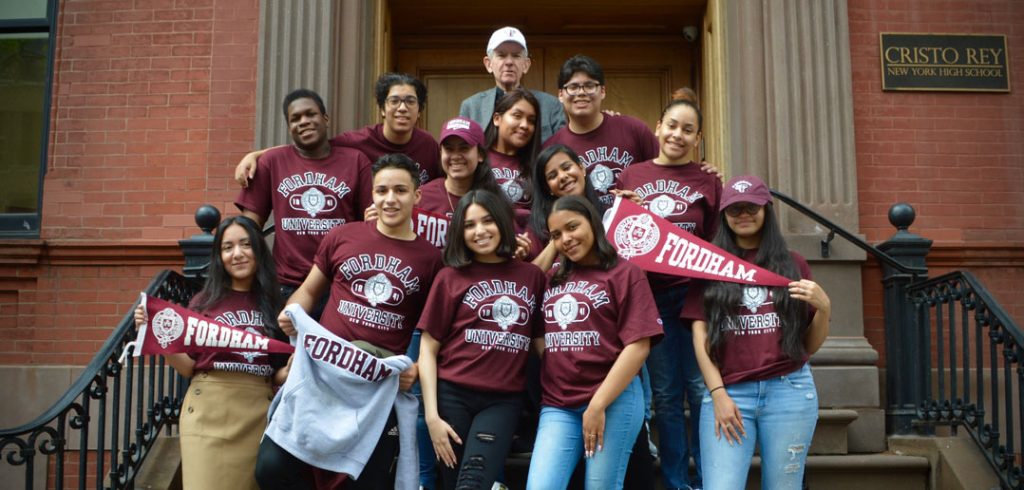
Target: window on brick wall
<point>26,71</point>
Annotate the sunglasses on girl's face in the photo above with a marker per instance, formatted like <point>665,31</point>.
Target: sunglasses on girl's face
<point>742,208</point>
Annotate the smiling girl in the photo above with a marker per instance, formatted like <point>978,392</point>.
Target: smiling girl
<point>480,320</point>
<point>680,191</point>
<point>759,386</point>
<point>225,411</point>
<point>599,319</point>
<point>465,166</point>
<point>513,143</point>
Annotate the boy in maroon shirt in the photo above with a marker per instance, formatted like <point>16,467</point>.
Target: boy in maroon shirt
<point>310,186</point>
<point>606,143</point>
<point>400,98</point>
<point>378,273</point>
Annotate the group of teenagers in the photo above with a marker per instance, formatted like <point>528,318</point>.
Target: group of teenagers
<point>482,255</point>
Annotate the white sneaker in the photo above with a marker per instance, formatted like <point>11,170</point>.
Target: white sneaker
<point>499,486</point>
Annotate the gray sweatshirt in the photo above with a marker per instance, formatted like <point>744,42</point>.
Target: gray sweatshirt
<point>333,407</point>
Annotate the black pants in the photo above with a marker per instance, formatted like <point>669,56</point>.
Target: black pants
<point>485,422</point>
<point>277,469</point>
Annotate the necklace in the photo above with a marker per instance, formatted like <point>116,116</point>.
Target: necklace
<point>450,205</point>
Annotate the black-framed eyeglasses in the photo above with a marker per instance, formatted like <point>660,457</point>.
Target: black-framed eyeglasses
<point>394,101</point>
<point>586,88</point>
<point>742,208</point>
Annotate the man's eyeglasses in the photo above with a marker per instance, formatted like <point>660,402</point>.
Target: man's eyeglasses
<point>588,88</point>
<point>742,208</point>
<point>410,102</point>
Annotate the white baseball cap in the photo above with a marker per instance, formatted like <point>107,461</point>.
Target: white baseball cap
<point>506,34</point>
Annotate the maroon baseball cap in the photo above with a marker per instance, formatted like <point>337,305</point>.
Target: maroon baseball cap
<point>466,129</point>
<point>745,188</point>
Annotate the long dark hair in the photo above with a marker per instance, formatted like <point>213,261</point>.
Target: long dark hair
<point>607,257</point>
<point>528,153</point>
<point>264,285</point>
<point>543,198</point>
<point>722,298</point>
<point>456,253</point>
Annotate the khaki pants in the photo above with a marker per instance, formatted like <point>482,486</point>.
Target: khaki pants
<point>222,421</point>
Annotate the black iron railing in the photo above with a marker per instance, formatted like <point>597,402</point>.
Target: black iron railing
<point>113,411</point>
<point>978,368</point>
<point>834,229</point>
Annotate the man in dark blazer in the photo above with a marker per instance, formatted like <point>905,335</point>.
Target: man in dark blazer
<point>508,60</point>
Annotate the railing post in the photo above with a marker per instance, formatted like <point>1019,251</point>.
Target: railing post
<point>197,248</point>
<point>906,356</point>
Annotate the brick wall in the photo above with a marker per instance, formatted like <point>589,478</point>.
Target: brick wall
<point>958,158</point>
<point>154,102</point>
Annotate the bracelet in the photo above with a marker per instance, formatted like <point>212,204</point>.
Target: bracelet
<point>715,389</point>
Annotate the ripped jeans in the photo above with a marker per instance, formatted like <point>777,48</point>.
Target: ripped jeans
<point>485,422</point>
<point>779,415</point>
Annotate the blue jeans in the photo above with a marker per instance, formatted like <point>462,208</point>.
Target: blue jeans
<point>428,471</point>
<point>675,376</point>
<point>779,415</point>
<point>560,444</point>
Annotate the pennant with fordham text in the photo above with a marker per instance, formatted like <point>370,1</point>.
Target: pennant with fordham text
<point>656,245</point>
<point>171,329</point>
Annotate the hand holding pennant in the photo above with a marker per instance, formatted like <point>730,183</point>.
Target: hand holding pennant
<point>171,329</point>
<point>656,245</point>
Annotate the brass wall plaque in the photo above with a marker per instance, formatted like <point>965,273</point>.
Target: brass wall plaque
<point>948,62</point>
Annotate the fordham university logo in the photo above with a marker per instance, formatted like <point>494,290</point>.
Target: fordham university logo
<point>313,202</point>
<point>167,326</point>
<point>754,297</point>
<point>665,206</point>
<point>601,177</point>
<point>566,310</point>
<point>636,235</point>
<point>377,290</point>
<point>513,191</point>
<point>505,312</point>
<point>741,185</point>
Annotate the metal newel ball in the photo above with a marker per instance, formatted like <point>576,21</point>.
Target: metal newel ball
<point>207,218</point>
<point>902,215</point>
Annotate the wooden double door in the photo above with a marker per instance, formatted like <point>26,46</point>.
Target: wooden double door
<point>641,71</point>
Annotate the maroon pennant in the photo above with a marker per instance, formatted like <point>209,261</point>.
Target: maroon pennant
<point>656,245</point>
<point>171,329</point>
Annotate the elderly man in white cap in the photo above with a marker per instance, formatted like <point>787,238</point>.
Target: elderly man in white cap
<point>508,60</point>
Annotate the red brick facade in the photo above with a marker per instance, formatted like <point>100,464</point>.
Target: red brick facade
<point>957,157</point>
<point>153,102</point>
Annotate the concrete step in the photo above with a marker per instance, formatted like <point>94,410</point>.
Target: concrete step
<point>162,468</point>
<point>832,472</point>
<point>830,435</point>
<point>858,471</point>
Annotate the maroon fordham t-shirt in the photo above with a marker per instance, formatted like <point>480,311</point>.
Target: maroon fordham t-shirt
<point>588,320</point>
<point>507,171</point>
<point>485,316</point>
<point>378,284</point>
<point>239,310</point>
<point>435,198</point>
<point>371,141</point>
<point>308,197</point>
<point>751,351</point>
<point>684,195</point>
<point>607,150</point>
